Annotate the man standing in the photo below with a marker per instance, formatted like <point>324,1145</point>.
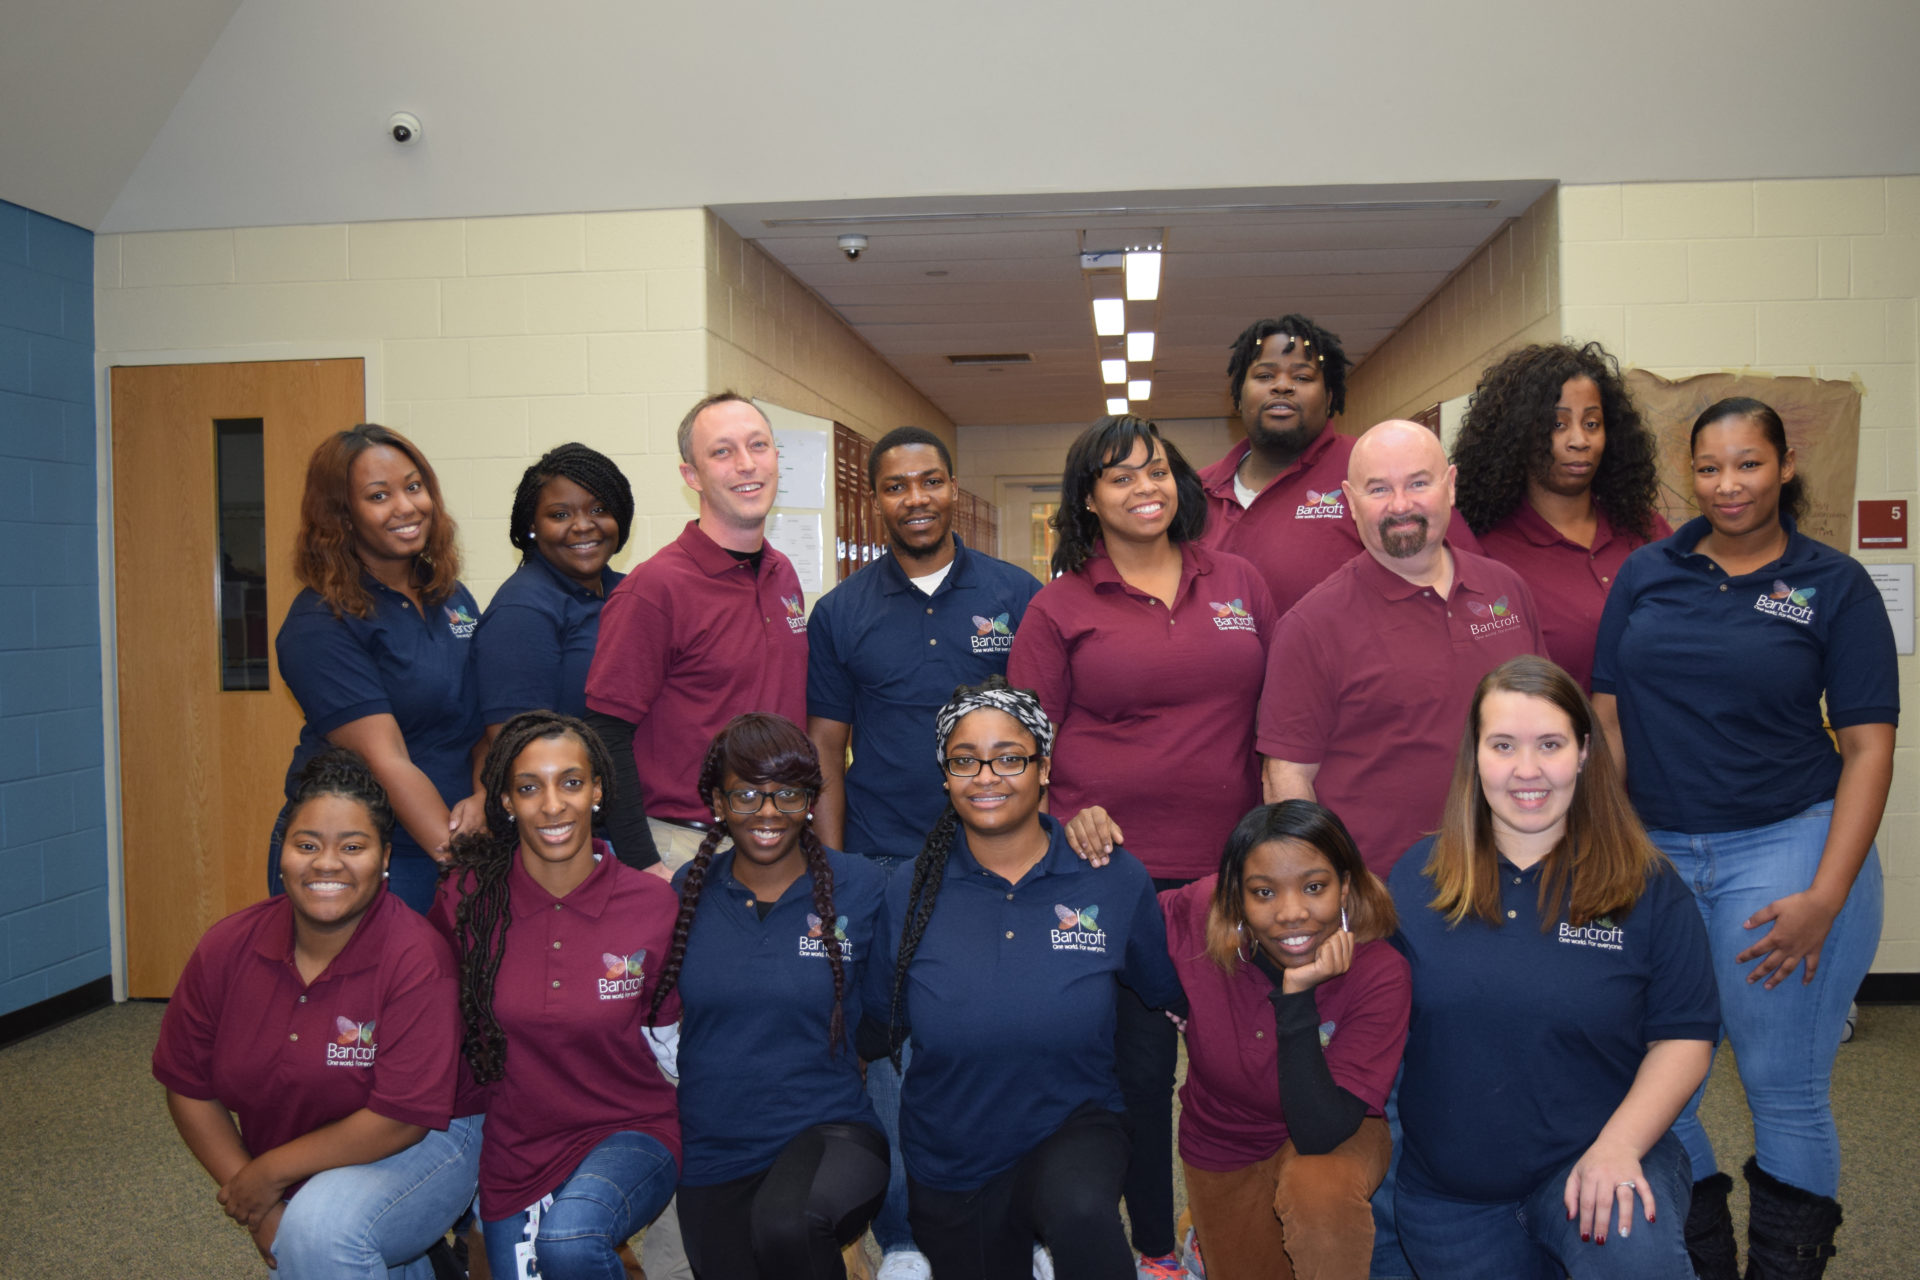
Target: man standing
<point>886,649</point>
<point>1277,498</point>
<point>711,627</point>
<point>1370,676</point>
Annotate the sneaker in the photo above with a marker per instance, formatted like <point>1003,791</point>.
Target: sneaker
<point>905,1264</point>
<point>1196,1269</point>
<point>1167,1268</point>
<point>1853,1021</point>
<point>1042,1263</point>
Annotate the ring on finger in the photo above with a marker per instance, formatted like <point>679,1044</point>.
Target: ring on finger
<point>1625,1184</point>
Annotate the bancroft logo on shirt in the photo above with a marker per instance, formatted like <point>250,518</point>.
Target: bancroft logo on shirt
<point>1078,930</point>
<point>814,943</point>
<point>459,621</point>
<point>624,976</point>
<point>1499,617</point>
<point>1786,602</point>
<point>1322,506</point>
<point>992,635</point>
<point>352,1045</point>
<point>1600,932</point>
<point>796,614</point>
<point>1232,615</point>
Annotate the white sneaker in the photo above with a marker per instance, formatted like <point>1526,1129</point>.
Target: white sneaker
<point>905,1264</point>
<point>1042,1263</point>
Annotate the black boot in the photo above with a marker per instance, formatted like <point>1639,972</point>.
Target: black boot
<point>1789,1231</point>
<point>1710,1230</point>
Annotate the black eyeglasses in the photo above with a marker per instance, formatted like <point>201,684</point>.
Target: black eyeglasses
<point>785,799</point>
<point>1003,766</point>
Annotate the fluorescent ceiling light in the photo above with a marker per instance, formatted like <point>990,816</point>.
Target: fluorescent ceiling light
<point>1117,408</point>
<point>1140,389</point>
<point>847,219</point>
<point>1143,275</point>
<point>1113,371</point>
<point>1109,317</point>
<point>1140,346</point>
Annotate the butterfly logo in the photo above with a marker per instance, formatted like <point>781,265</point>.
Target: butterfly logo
<point>458,615</point>
<point>1498,609</point>
<point>1326,1033</point>
<point>1331,498</point>
<point>1231,609</point>
<point>817,928</point>
<point>353,1033</point>
<point>1069,918</point>
<point>619,966</point>
<point>794,609</point>
<point>1781,591</point>
<point>1000,626</point>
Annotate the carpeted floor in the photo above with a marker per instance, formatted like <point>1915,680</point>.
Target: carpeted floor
<point>95,1183</point>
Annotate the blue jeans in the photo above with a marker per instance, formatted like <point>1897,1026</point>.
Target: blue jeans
<point>1389,1259</point>
<point>619,1187</point>
<point>1784,1040</point>
<point>375,1220</point>
<point>890,1229</point>
<point>1532,1239</point>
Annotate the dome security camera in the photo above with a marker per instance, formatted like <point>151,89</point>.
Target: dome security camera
<point>405,127</point>
<point>852,245</point>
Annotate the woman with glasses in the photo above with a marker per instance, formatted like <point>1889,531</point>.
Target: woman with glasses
<point>1009,954</point>
<point>1149,651</point>
<point>767,955</point>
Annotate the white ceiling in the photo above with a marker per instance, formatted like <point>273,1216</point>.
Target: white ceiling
<point>1008,280</point>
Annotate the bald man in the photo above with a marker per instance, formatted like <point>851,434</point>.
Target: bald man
<point>1371,674</point>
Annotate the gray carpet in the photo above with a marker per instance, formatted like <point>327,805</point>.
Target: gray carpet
<point>96,1184</point>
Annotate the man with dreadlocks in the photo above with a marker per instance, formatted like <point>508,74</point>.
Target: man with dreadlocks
<point>1003,971</point>
<point>1275,499</point>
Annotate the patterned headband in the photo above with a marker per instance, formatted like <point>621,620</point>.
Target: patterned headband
<point>1018,703</point>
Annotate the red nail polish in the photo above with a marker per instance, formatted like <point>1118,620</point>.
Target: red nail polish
<point>1586,1237</point>
<point>1601,1240</point>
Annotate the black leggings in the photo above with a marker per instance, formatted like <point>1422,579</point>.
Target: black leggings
<point>792,1218</point>
<point>1146,1049</point>
<point>1065,1194</point>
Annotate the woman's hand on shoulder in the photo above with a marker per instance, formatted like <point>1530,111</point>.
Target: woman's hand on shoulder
<point>468,815</point>
<point>1605,1180</point>
<point>1333,958</point>
<point>1093,834</point>
<point>1800,923</point>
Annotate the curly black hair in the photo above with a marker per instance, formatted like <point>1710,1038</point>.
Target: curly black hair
<point>591,470</point>
<point>1333,357</point>
<point>1793,494</point>
<point>1506,438</point>
<point>344,773</point>
<point>482,918</point>
<point>761,748</point>
<point>1108,443</point>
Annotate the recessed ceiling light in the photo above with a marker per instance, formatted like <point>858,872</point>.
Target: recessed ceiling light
<point>1143,275</point>
<point>1140,389</point>
<point>1117,408</point>
<point>1140,346</point>
<point>1113,371</point>
<point>1109,317</point>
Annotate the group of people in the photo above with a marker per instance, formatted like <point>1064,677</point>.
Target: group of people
<point>1450,811</point>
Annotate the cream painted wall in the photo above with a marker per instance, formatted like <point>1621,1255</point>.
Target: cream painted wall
<point>490,340</point>
<point>989,453</point>
<point>1811,278</point>
<point>1506,295</point>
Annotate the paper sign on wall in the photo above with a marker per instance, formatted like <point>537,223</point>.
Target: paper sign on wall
<point>803,468</point>
<point>1896,589</point>
<point>797,537</point>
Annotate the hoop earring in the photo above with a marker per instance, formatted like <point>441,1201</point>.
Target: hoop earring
<point>1343,919</point>
<point>1239,946</point>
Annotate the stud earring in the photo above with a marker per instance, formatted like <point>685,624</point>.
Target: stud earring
<point>596,808</point>
<point>386,875</point>
<point>809,815</point>
<point>529,535</point>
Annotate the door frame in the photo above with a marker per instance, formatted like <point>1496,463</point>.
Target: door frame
<point>369,354</point>
<point>1003,498</point>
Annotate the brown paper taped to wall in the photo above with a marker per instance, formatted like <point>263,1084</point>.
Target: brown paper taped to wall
<point>1822,416</point>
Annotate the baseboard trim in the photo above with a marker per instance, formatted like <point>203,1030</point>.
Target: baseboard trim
<point>51,1012</point>
<point>1890,988</point>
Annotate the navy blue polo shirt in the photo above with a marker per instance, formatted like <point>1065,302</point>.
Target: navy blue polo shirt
<point>756,996</point>
<point>1720,679</point>
<point>535,642</point>
<point>1010,1002</point>
<point>1522,1043</point>
<point>417,669</point>
<point>884,657</point>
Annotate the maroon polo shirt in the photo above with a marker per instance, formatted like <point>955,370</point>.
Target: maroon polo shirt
<point>378,1029</point>
<point>689,640</point>
<point>1154,706</point>
<point>1568,581</point>
<point>1230,1105</point>
<point>1299,528</point>
<point>572,996</point>
<point>1371,678</point>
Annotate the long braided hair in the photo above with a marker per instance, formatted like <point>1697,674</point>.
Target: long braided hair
<point>930,868</point>
<point>481,920</point>
<point>591,470</point>
<point>760,748</point>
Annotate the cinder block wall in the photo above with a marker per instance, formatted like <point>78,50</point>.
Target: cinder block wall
<point>53,839</point>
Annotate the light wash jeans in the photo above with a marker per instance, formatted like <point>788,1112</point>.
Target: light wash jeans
<point>619,1187</point>
<point>375,1220</point>
<point>1784,1040</point>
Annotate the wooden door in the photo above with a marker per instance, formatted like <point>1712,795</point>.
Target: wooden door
<point>202,756</point>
